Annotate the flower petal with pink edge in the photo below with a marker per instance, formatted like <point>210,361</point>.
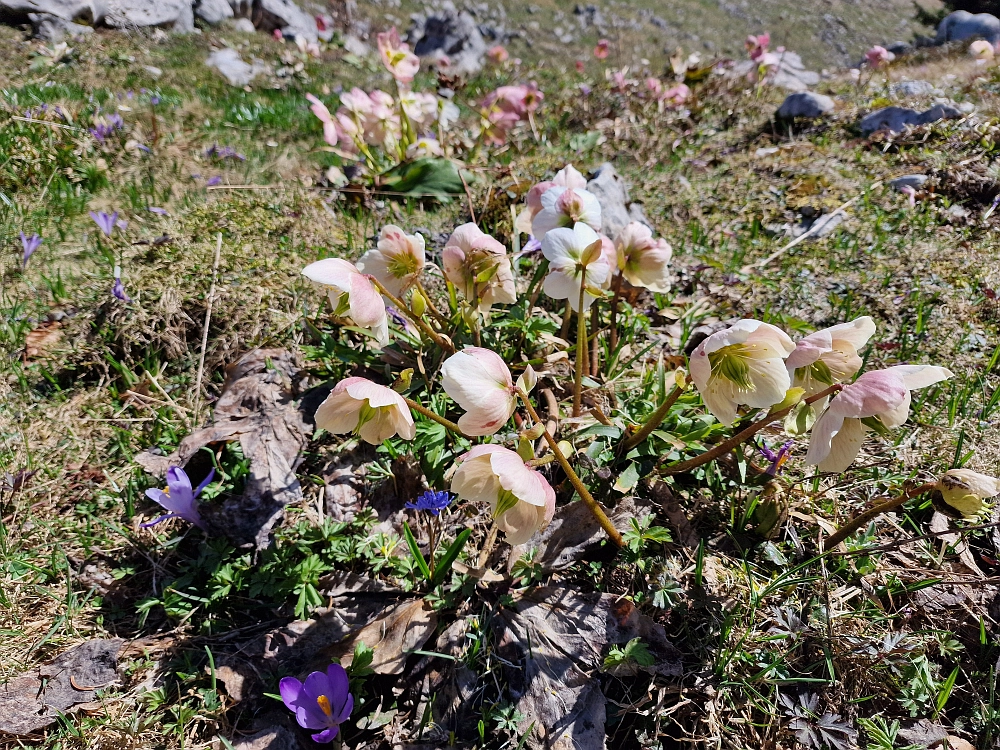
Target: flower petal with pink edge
<point>479,381</point>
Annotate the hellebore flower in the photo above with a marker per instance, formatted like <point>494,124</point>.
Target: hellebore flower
<point>420,107</point>
<point>29,245</point>
<point>982,50</point>
<point>576,257</point>
<point>371,411</point>
<point>331,131</point>
<point>964,490</point>
<point>477,265</point>
<point>601,50</point>
<point>397,260</point>
<point>521,499</point>
<point>878,56</point>
<point>677,95</point>
<point>431,501</point>
<point>497,54</point>
<point>423,148</point>
<point>642,260</point>
<point>396,56</point>
<point>351,292</point>
<point>877,400</point>
<point>564,207</point>
<point>479,381</point>
<point>567,177</point>
<point>744,364</point>
<point>105,222</point>
<point>179,499</point>
<point>829,356</point>
<point>323,701</point>
<point>757,46</point>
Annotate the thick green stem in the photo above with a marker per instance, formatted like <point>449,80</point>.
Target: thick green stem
<point>869,515</point>
<point>578,485</point>
<point>654,420</point>
<point>421,409</point>
<point>582,353</point>
<point>741,437</point>
<point>437,338</point>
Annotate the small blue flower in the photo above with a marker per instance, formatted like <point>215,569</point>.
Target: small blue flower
<point>106,222</point>
<point>180,499</point>
<point>433,501</point>
<point>30,244</point>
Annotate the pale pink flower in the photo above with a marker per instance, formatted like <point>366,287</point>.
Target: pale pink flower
<point>478,381</point>
<point>421,108</point>
<point>497,54</point>
<point>911,195</point>
<point>352,294</point>
<point>878,56</point>
<point>357,102</point>
<point>642,260</point>
<point>576,258</point>
<point>423,148</point>
<point>655,87</point>
<point>478,266</point>
<point>964,490</point>
<point>496,123</point>
<point>609,255</point>
<point>371,411</point>
<point>580,66</point>
<point>757,46</point>
<point>601,50</point>
<point>877,400</point>
<point>331,131</point>
<point>396,56</point>
<point>677,95</point>
<point>564,207</point>
<point>397,260</point>
<point>982,50</point>
<point>567,177</point>
<point>829,356</point>
<point>744,364</point>
<point>521,499</point>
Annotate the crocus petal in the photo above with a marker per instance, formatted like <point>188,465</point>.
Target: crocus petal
<point>327,735</point>
<point>290,689</point>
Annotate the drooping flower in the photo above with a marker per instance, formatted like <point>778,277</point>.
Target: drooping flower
<point>965,490</point>
<point>371,411</point>
<point>351,292</point>
<point>29,245</point>
<point>878,400</point>
<point>431,501</point>
<point>331,131</point>
<point>423,148</point>
<point>744,364</point>
<point>497,54</point>
<point>878,56</point>
<point>642,260</point>
<point>105,222</point>
<point>420,107</point>
<point>356,102</point>
<point>677,95</point>
<point>564,207</point>
<point>576,257</point>
<point>567,177</point>
<point>179,499</point>
<point>397,260</point>
<point>323,701</point>
<point>829,356</point>
<point>601,50</point>
<point>982,50</point>
<point>478,266</point>
<point>396,56</point>
<point>479,381</point>
<point>521,499</point>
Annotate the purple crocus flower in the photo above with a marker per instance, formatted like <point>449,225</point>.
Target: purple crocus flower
<point>104,221</point>
<point>323,701</point>
<point>118,289</point>
<point>30,244</point>
<point>431,501</point>
<point>777,460</point>
<point>179,498</point>
<point>224,152</point>
<point>157,210</point>
<point>532,245</point>
<point>213,181</point>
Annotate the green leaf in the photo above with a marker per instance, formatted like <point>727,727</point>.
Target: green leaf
<point>415,551</point>
<point>450,555</point>
<point>437,178</point>
<point>628,478</point>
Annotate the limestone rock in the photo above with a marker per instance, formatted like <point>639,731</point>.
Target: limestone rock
<point>962,25</point>
<point>805,104</point>
<point>233,68</point>
<point>915,181</point>
<point>213,12</point>
<point>616,208</point>
<point>268,15</point>
<point>453,33</point>
<point>904,89</point>
<point>50,28</point>
<point>174,14</point>
<point>897,119</point>
<point>790,73</point>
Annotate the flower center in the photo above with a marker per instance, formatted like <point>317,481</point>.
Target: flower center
<point>505,501</point>
<point>818,370</point>
<point>324,705</point>
<point>402,265</point>
<point>730,362</point>
<point>367,414</point>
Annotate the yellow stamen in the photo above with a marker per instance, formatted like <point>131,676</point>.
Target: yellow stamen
<point>324,705</point>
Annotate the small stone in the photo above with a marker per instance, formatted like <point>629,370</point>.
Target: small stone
<point>244,25</point>
<point>154,71</point>
<point>228,62</point>
<point>915,181</point>
<point>898,119</point>
<point>454,33</point>
<point>213,12</point>
<point>805,104</point>
<point>904,89</point>
<point>612,193</point>
<point>355,46</point>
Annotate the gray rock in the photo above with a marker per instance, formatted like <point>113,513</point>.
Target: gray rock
<point>213,12</point>
<point>355,46</point>
<point>153,70</point>
<point>899,48</point>
<point>805,104</point>
<point>244,25</point>
<point>452,32</point>
<point>790,74</point>
<point>233,68</point>
<point>87,11</point>
<point>174,14</point>
<point>278,738</point>
<point>616,209</point>
<point>898,119</point>
<point>915,181</point>
<point>50,28</point>
<point>269,15</point>
<point>904,89</point>
<point>962,25</point>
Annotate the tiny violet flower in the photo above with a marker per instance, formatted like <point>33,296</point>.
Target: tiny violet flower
<point>179,499</point>
<point>322,702</point>
<point>30,245</point>
<point>118,289</point>
<point>213,181</point>
<point>223,152</point>
<point>480,382</point>
<point>431,501</point>
<point>105,222</point>
<point>776,459</point>
<point>157,210</point>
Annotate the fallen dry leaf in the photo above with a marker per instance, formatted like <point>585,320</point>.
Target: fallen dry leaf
<point>40,340</point>
<point>255,408</point>
<point>393,637</point>
<point>33,701</point>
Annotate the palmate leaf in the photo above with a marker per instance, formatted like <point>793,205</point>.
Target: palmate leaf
<point>430,177</point>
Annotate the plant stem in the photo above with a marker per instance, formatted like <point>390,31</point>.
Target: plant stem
<point>430,304</point>
<point>595,345</point>
<point>578,485</point>
<point>860,520</point>
<point>582,355</point>
<point>437,338</point>
<point>421,409</point>
<point>741,437</point>
<point>654,421</point>
<point>616,287</point>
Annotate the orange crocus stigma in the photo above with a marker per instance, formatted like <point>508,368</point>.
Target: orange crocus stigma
<point>324,703</point>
